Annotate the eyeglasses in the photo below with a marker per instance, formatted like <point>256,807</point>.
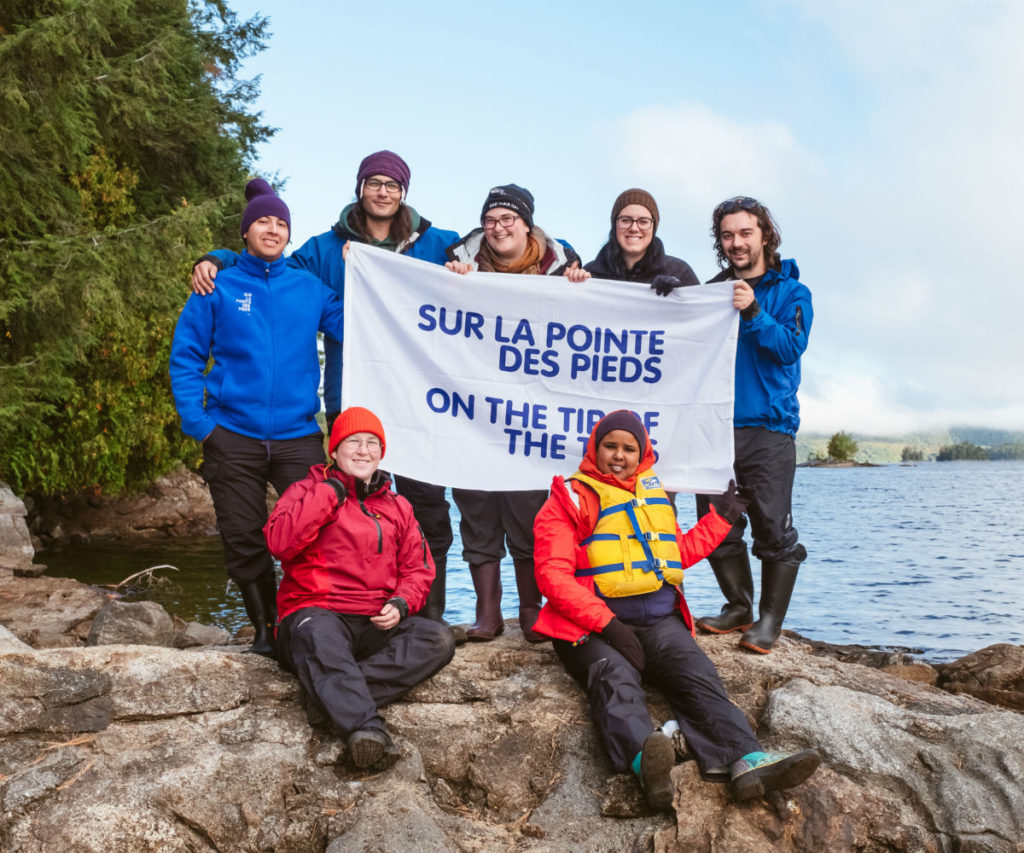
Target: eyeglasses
<point>373,184</point>
<point>644,223</point>
<point>506,220</point>
<point>740,202</point>
<point>371,444</point>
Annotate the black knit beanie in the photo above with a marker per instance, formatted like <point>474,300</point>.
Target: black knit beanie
<point>513,197</point>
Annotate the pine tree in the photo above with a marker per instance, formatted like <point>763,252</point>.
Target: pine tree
<point>125,140</point>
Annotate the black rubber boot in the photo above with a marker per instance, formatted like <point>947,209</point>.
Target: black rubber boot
<point>777,581</point>
<point>733,575</point>
<point>260,597</point>
<point>434,608</point>
<point>487,583</point>
<point>529,600</point>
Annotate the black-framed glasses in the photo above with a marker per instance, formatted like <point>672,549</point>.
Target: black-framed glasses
<point>374,184</point>
<point>644,223</point>
<point>737,203</point>
<point>506,220</point>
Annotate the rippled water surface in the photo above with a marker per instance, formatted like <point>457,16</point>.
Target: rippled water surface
<point>929,557</point>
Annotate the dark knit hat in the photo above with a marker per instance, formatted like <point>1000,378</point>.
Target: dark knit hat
<point>383,163</point>
<point>622,419</point>
<point>635,196</point>
<point>514,198</point>
<point>263,201</point>
<point>356,419</point>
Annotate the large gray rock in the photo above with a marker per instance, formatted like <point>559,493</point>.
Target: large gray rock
<point>142,623</point>
<point>16,549</point>
<point>994,674</point>
<point>130,748</point>
<point>48,612</point>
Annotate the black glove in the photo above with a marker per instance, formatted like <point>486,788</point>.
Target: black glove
<point>731,505</point>
<point>213,259</point>
<point>751,311</point>
<point>663,285</point>
<point>400,604</point>
<point>623,639</point>
<point>339,488</point>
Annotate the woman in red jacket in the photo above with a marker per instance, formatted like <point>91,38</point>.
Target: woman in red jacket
<point>356,569</point>
<point>610,562</point>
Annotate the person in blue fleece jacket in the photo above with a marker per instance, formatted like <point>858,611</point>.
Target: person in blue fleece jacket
<point>775,321</point>
<point>255,408</point>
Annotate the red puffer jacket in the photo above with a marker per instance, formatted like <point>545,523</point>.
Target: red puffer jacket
<point>573,609</point>
<point>350,557</point>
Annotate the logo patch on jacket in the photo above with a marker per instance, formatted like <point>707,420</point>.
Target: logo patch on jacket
<point>651,483</point>
<point>245,303</point>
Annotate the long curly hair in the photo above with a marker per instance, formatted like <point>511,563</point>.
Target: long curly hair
<point>765,221</point>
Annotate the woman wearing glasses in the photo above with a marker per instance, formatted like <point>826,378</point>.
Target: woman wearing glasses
<point>507,242</point>
<point>634,252</point>
<point>356,570</point>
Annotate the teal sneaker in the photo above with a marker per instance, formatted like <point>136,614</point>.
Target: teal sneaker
<point>757,773</point>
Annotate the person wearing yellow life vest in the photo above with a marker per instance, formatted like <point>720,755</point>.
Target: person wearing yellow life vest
<point>609,560</point>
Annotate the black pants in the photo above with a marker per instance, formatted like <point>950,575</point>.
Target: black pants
<point>489,519</point>
<point>765,466</point>
<point>351,668</point>
<point>716,731</point>
<point>237,469</point>
<point>431,511</point>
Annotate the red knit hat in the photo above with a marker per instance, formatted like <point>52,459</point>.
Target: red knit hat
<point>356,419</point>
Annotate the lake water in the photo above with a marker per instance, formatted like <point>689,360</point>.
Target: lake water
<point>929,557</point>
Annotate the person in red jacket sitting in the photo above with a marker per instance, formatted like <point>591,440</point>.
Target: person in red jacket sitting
<point>610,560</point>
<point>356,570</point>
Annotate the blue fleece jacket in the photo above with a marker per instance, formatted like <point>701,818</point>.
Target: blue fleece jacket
<point>769,349</point>
<point>322,256</point>
<point>260,326</point>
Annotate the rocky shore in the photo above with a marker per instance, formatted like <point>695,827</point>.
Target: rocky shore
<point>123,732</point>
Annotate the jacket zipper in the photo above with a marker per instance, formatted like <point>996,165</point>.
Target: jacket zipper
<point>374,517</point>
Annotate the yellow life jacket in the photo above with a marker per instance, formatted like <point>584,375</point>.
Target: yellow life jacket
<point>633,548</point>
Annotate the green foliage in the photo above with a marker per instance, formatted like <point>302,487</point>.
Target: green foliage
<point>1007,451</point>
<point>962,450</point>
<point>841,447</point>
<point>912,454</point>
<point>124,144</point>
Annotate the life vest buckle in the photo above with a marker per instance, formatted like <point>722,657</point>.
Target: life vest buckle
<point>639,502</point>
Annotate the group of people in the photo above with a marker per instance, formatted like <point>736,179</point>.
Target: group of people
<point>359,617</point>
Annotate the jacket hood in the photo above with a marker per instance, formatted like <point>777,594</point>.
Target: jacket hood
<point>379,482</point>
<point>787,269</point>
<point>344,230</point>
<point>589,464</point>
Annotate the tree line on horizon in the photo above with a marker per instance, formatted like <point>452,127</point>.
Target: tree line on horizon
<point>125,141</point>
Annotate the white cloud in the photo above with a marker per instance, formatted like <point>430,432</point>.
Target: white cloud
<point>909,237</point>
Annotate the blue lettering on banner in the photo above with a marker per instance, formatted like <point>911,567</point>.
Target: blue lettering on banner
<point>526,425</point>
<point>592,353</point>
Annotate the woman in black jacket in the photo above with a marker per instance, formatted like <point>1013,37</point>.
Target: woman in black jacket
<point>634,252</point>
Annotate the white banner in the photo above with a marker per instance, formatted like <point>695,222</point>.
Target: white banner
<point>494,381</point>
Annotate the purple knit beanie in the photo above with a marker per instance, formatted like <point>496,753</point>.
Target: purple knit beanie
<point>383,163</point>
<point>622,419</point>
<point>263,201</point>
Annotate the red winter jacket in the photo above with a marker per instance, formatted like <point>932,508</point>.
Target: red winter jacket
<point>573,609</point>
<point>350,557</point>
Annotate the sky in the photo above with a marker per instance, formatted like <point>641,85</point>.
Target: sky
<point>884,137</point>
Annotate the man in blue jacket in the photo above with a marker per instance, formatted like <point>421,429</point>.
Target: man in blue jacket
<point>379,217</point>
<point>255,409</point>
<point>775,320</point>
